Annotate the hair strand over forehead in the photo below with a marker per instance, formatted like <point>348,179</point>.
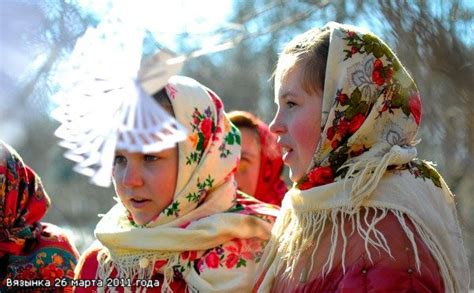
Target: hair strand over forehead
<point>309,50</point>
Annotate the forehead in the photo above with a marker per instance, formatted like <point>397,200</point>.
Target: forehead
<point>249,135</point>
<point>285,64</point>
<point>288,82</point>
<point>127,153</point>
<point>250,141</point>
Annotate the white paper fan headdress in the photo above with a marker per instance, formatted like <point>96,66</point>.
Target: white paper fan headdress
<point>105,102</point>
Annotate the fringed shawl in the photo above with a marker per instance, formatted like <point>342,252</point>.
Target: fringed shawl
<point>203,218</point>
<point>366,159</point>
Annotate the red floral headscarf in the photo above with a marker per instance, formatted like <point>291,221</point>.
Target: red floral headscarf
<point>23,202</point>
<point>32,250</point>
<point>270,187</point>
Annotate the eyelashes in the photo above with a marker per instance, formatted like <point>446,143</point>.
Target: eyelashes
<point>120,159</point>
<point>290,104</point>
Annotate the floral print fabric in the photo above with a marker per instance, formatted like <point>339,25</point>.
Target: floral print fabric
<point>208,157</point>
<point>365,159</point>
<point>53,259</point>
<point>270,186</point>
<point>23,202</point>
<point>370,104</point>
<point>32,250</point>
<point>208,236</point>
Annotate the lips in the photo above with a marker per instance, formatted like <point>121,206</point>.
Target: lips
<point>139,202</point>
<point>287,153</point>
<point>287,156</point>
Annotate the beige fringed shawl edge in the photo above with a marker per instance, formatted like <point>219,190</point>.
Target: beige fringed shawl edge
<point>307,213</point>
<point>127,247</point>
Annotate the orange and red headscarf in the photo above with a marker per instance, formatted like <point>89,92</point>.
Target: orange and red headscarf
<point>23,202</point>
<point>270,186</point>
<point>32,250</point>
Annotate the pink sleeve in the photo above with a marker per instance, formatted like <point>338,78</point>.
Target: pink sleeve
<point>86,268</point>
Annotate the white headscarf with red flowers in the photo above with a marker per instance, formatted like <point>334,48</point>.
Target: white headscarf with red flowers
<point>202,229</point>
<point>370,117</point>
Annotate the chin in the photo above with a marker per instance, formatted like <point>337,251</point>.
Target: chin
<point>140,221</point>
<point>294,176</point>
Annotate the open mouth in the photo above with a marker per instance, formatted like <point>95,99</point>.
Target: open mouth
<point>287,152</point>
<point>138,202</point>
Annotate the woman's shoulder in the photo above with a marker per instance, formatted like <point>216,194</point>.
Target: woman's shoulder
<point>49,257</point>
<point>367,265</point>
<point>88,264</point>
<point>248,205</point>
<point>54,237</point>
<point>399,262</point>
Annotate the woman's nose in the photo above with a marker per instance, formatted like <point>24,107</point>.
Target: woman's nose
<point>277,126</point>
<point>132,177</point>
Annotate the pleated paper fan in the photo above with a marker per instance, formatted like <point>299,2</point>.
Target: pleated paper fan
<point>105,102</point>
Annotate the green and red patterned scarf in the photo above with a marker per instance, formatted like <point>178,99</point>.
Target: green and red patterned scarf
<point>29,249</point>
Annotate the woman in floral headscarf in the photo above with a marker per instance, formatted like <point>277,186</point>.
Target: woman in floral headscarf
<point>364,215</point>
<point>178,221</point>
<point>33,255</point>
<point>260,167</point>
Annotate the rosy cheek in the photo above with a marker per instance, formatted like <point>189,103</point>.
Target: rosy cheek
<point>299,131</point>
<point>306,136</point>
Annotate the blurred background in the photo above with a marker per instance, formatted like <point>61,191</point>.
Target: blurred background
<point>433,39</point>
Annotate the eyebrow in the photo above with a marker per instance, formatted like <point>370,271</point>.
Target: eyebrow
<point>285,95</point>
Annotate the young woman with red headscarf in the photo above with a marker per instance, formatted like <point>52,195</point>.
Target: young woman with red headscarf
<point>261,165</point>
<point>33,255</point>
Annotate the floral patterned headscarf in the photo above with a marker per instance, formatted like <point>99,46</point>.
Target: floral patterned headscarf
<point>270,186</point>
<point>23,202</point>
<point>371,108</point>
<point>366,159</point>
<point>208,158</point>
<point>203,215</point>
<point>32,250</point>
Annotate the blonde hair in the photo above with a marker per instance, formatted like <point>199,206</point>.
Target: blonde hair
<point>309,49</point>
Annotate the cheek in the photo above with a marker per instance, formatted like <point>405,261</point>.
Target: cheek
<point>116,181</point>
<point>247,178</point>
<point>305,132</point>
<point>248,171</point>
<point>116,177</point>
<point>164,180</point>
<point>242,175</point>
<point>241,170</point>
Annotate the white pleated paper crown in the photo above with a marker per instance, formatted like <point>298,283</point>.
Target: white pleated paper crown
<point>105,100</point>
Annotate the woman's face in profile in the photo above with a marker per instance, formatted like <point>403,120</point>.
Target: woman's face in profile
<point>249,166</point>
<point>145,183</point>
<point>297,121</point>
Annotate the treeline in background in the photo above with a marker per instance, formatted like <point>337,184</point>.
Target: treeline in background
<point>433,39</point>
